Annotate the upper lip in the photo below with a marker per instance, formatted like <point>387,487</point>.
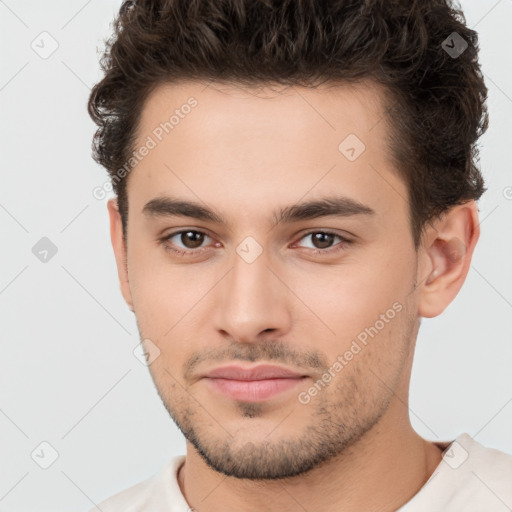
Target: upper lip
<point>260,372</point>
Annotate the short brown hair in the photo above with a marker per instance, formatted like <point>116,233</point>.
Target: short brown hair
<point>436,99</point>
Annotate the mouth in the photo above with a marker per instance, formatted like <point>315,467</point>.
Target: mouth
<point>255,384</point>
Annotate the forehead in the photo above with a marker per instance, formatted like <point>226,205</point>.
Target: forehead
<point>266,144</point>
<point>331,107</point>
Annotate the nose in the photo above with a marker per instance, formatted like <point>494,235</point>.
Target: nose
<point>251,301</point>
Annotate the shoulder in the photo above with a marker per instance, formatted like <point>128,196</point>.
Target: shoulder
<point>491,469</point>
<point>470,477</point>
<point>150,495</point>
<point>473,477</point>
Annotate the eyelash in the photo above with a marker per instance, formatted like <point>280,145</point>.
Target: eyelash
<point>193,252</point>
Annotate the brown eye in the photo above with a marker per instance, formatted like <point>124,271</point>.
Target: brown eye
<point>186,241</point>
<point>322,240</point>
<point>191,239</point>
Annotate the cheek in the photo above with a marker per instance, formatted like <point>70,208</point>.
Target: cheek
<point>163,292</point>
<point>344,300</point>
<point>168,300</point>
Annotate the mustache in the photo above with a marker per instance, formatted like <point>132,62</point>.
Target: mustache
<point>261,351</point>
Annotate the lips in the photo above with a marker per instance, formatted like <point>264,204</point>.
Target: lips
<point>252,384</point>
<point>260,372</point>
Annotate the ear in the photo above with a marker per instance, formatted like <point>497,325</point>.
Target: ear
<point>118,244</point>
<point>447,248</point>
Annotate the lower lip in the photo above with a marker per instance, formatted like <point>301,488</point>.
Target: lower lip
<point>253,390</point>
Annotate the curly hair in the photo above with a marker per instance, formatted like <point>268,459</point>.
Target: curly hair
<point>435,98</point>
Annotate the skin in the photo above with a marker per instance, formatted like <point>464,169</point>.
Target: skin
<point>246,153</point>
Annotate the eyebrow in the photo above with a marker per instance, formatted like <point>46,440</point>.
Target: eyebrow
<point>339,206</point>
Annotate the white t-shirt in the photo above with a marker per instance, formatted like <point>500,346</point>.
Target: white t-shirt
<point>469,478</point>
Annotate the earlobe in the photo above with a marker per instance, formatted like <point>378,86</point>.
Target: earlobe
<point>447,252</point>
<point>120,252</point>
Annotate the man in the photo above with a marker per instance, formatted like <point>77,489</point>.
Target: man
<point>295,189</point>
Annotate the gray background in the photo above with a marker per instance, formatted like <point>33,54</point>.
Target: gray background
<point>68,375</point>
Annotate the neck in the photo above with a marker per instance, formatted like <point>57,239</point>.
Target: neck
<point>381,471</point>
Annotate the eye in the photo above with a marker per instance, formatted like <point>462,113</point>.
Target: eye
<point>322,241</point>
<point>190,239</point>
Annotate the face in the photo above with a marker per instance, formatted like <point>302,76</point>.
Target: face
<point>296,252</point>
